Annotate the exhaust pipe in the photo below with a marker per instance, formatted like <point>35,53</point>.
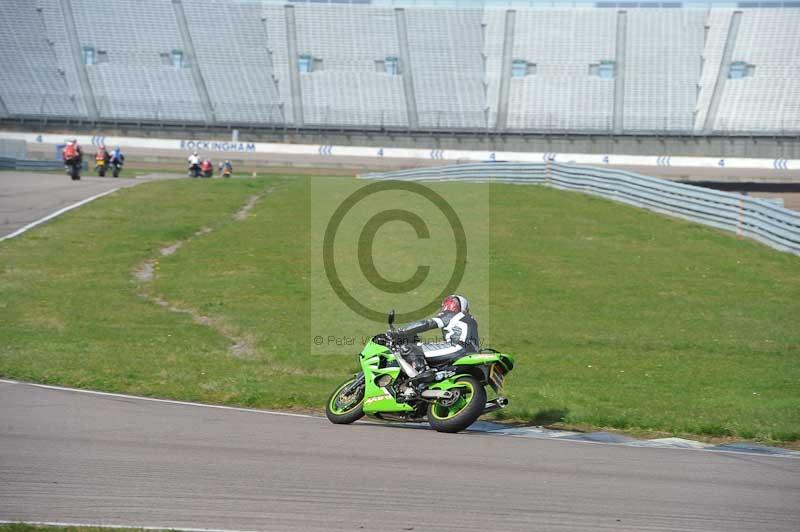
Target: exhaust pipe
<point>495,404</point>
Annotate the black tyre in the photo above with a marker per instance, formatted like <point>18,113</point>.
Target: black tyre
<point>346,404</point>
<point>463,412</point>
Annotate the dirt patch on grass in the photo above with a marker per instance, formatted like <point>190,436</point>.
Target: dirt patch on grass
<point>166,251</point>
<point>145,271</point>
<point>242,345</point>
<point>242,213</point>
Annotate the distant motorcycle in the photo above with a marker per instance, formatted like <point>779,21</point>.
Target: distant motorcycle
<point>194,170</point>
<point>100,167</point>
<point>207,168</point>
<point>73,169</point>
<point>225,169</point>
<point>116,168</point>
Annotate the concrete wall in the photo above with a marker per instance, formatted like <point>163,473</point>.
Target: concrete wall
<point>711,146</point>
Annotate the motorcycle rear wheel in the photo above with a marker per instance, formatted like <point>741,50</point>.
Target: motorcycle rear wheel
<point>463,412</point>
<point>343,408</point>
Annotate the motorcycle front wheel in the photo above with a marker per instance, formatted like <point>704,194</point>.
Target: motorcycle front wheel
<point>462,412</point>
<point>346,404</point>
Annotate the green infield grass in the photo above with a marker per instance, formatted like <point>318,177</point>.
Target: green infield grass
<point>619,318</point>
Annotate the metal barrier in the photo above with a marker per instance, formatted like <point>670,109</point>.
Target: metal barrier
<point>15,148</point>
<point>754,218</point>
<point>10,163</point>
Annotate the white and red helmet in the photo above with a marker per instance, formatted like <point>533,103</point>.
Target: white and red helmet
<point>455,303</point>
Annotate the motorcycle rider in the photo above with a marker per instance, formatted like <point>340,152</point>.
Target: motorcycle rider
<point>73,158</point>
<point>226,168</point>
<point>194,165</point>
<point>207,168</point>
<point>459,335</point>
<point>117,158</point>
<point>101,156</point>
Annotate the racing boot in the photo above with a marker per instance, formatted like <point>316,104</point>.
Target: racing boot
<point>426,373</point>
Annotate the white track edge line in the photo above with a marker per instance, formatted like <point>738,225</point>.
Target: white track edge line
<point>136,527</point>
<point>57,213</point>
<point>157,400</point>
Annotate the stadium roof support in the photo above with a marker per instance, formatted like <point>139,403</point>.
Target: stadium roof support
<point>619,79</point>
<point>406,70</point>
<point>80,67</point>
<point>719,86</point>
<point>505,71</point>
<point>194,65</point>
<point>294,71</point>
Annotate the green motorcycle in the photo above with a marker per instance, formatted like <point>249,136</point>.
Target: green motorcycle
<point>451,402</point>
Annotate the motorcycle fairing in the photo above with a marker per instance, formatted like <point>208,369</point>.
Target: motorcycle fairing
<point>376,361</point>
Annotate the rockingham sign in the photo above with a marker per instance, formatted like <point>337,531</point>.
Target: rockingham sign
<point>215,145</point>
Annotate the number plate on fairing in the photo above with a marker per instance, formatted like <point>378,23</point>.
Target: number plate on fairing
<point>497,377</point>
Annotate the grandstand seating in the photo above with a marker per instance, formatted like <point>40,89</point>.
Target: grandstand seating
<point>664,48</point>
<point>229,61</point>
<point>563,43</point>
<point>138,80</point>
<point>345,86</point>
<point>769,100</point>
<point>230,43</point>
<point>446,57</point>
<point>31,78</point>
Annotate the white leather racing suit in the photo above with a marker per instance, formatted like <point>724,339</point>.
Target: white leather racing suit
<point>459,337</point>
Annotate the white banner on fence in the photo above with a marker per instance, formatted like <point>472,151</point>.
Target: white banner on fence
<point>327,150</point>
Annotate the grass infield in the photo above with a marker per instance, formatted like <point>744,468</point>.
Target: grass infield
<point>619,318</point>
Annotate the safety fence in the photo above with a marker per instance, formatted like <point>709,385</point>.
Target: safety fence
<point>754,218</point>
<point>11,163</point>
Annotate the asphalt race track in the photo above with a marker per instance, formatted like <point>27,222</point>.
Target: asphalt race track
<point>80,458</point>
<point>26,196</point>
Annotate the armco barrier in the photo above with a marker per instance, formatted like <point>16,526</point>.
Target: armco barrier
<point>758,219</point>
<point>15,148</point>
<point>9,163</point>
